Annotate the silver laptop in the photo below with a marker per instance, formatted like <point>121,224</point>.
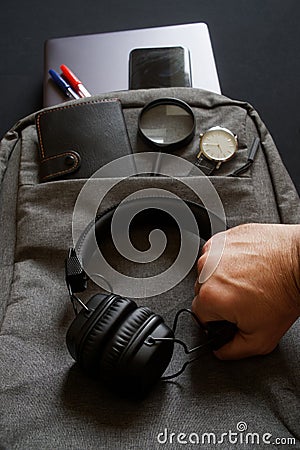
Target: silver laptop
<point>101,61</point>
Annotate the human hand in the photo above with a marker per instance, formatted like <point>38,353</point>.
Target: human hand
<point>256,285</point>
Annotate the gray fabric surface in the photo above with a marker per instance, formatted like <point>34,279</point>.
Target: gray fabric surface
<point>46,402</point>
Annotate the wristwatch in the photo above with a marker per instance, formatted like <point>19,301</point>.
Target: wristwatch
<point>217,145</point>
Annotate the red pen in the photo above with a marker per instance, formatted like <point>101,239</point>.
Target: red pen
<point>74,82</point>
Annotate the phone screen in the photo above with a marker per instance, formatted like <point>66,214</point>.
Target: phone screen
<point>159,67</point>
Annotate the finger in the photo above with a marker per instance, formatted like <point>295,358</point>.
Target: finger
<point>242,346</point>
<point>206,247</point>
<point>201,262</point>
<point>197,286</point>
<point>203,311</point>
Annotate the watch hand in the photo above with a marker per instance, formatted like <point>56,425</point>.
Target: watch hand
<point>221,151</point>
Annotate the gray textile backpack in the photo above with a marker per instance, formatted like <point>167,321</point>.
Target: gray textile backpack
<point>46,402</point>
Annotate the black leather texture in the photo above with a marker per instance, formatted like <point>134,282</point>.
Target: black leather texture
<point>75,140</point>
<point>205,165</point>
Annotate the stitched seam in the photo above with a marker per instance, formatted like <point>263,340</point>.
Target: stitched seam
<point>16,231</point>
<point>61,172</point>
<point>55,174</point>
<point>60,108</point>
<point>59,156</point>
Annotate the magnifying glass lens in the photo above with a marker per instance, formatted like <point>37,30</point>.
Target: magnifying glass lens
<point>167,124</point>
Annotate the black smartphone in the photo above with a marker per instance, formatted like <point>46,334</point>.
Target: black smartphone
<point>159,67</point>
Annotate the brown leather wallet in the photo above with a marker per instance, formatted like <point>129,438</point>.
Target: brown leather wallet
<point>77,139</point>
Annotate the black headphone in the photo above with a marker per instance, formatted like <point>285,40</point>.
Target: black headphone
<point>112,338</point>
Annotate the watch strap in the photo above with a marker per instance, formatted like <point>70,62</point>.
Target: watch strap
<point>205,165</point>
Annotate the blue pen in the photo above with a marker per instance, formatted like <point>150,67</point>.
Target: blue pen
<point>63,85</point>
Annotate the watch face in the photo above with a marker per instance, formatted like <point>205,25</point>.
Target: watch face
<point>218,144</point>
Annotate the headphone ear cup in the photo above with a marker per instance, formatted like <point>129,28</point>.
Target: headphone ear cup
<point>123,336</point>
<point>129,363</point>
<point>89,332</point>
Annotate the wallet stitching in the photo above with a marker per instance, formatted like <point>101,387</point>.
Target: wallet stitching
<point>61,108</point>
<point>61,172</point>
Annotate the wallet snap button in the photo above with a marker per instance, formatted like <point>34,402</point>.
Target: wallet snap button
<point>69,160</point>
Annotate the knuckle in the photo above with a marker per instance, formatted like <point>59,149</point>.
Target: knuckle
<point>206,246</point>
<point>201,262</point>
<point>207,292</point>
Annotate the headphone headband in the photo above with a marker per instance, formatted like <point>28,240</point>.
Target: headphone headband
<point>101,226</point>
<point>111,337</point>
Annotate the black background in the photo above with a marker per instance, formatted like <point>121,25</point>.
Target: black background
<point>255,42</point>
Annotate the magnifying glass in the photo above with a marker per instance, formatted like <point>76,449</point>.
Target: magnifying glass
<point>167,123</point>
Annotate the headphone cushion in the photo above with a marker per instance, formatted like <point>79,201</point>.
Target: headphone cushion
<point>102,330</point>
<point>123,336</point>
